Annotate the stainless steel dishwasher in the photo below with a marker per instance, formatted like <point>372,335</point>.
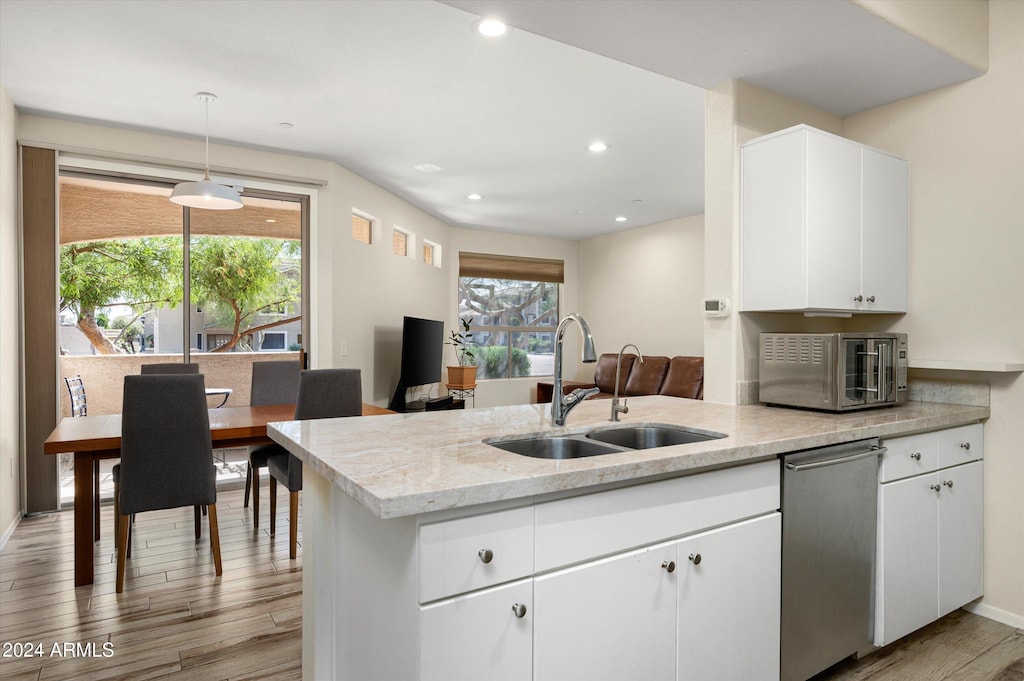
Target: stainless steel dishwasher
<point>829,510</point>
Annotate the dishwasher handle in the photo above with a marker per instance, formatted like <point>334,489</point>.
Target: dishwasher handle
<point>874,451</point>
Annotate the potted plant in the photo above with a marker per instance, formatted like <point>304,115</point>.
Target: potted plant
<point>463,375</point>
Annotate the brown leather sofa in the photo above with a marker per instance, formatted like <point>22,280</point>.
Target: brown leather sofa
<point>656,375</point>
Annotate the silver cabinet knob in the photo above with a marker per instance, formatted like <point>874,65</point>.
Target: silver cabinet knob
<point>669,565</point>
<point>916,456</point>
<point>695,558</point>
<point>966,446</point>
<point>486,555</point>
<point>948,483</point>
<point>871,299</point>
<point>519,610</point>
<point>935,487</point>
<point>858,299</point>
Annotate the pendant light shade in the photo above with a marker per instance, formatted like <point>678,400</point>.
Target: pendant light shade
<point>206,193</point>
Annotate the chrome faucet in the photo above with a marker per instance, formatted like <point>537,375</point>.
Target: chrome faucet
<point>561,404</point>
<point>624,409</point>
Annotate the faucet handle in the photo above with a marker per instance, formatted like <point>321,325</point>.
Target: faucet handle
<point>580,394</point>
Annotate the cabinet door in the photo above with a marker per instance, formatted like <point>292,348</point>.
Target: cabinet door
<point>479,635</point>
<point>960,535</point>
<point>729,590</point>
<point>833,222</point>
<point>609,619</point>
<point>908,574</point>
<point>884,223</point>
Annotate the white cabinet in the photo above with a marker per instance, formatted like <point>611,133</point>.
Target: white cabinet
<point>930,528</point>
<point>729,588</point>
<point>824,224</point>
<point>609,619</point>
<point>491,629</point>
<point>602,585</point>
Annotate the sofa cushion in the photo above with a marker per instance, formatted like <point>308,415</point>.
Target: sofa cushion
<point>604,374</point>
<point>685,378</point>
<point>646,377</point>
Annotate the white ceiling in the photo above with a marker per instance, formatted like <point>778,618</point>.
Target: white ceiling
<point>380,86</point>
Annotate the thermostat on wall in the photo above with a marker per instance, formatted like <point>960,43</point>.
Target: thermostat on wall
<point>716,307</point>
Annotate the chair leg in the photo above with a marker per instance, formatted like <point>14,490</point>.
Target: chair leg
<point>215,539</point>
<point>198,522</point>
<point>248,484</point>
<point>256,498</point>
<point>117,514</point>
<point>273,505</point>
<point>131,527</point>
<point>96,499</point>
<point>122,549</point>
<point>293,524</point>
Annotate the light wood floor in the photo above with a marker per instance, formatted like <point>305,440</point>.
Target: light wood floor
<point>176,621</point>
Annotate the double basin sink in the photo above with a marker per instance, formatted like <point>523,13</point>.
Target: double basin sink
<point>603,441</point>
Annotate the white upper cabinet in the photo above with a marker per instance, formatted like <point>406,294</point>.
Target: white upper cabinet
<point>824,225</point>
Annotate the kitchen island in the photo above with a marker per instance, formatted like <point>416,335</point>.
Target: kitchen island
<point>390,503</point>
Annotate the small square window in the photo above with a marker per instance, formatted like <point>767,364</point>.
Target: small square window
<point>428,254</point>
<point>400,242</point>
<point>362,229</point>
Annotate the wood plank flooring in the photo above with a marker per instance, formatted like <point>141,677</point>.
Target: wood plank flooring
<point>176,620</point>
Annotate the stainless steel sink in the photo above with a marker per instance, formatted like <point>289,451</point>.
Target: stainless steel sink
<point>554,447</point>
<point>646,437</point>
<point>604,441</point>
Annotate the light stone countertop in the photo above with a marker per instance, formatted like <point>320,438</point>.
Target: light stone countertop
<point>406,464</point>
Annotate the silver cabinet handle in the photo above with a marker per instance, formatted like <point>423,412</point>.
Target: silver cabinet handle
<point>519,610</point>
<point>695,558</point>
<point>966,446</point>
<point>669,565</point>
<point>858,299</point>
<point>871,299</point>
<point>948,483</point>
<point>935,487</point>
<point>486,555</point>
<point>916,456</point>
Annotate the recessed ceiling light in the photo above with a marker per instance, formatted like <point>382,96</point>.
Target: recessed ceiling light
<point>621,219</point>
<point>286,125</point>
<point>598,146</point>
<point>637,200</point>
<point>474,197</point>
<point>492,28</point>
<point>428,168</point>
<point>270,220</point>
<point>580,212</point>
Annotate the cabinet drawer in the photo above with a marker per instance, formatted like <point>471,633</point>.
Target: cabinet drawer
<point>907,456</point>
<point>471,553</point>
<point>960,445</point>
<point>581,528</point>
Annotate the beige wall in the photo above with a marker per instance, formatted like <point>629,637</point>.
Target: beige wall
<point>645,286</point>
<point>965,145</point>
<point>10,294</point>
<point>957,27</point>
<point>491,393</point>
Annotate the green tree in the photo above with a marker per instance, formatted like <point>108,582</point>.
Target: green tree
<point>141,273</point>
<point>235,279</point>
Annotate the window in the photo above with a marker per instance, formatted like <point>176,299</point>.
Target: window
<point>274,340</point>
<point>362,229</point>
<point>513,303</point>
<point>400,242</point>
<point>431,253</point>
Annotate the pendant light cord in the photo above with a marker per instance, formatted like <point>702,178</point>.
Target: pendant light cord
<point>207,130</point>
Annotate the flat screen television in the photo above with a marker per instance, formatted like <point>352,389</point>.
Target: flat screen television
<point>422,354</point>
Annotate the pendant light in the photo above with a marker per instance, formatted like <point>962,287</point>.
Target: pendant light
<point>206,193</point>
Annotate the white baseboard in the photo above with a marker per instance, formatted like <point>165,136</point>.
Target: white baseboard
<point>996,614</point>
<point>9,531</point>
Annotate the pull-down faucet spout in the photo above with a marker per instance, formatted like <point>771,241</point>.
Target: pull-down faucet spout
<point>561,404</point>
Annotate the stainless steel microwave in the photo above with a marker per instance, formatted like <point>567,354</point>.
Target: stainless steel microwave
<point>833,371</point>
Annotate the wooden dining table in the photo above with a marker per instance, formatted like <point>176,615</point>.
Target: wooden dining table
<point>93,438</point>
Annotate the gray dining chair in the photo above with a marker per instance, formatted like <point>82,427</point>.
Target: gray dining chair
<point>170,368</point>
<point>275,382</point>
<point>166,455</point>
<point>323,394</point>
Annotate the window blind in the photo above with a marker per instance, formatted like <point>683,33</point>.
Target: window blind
<point>511,267</point>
